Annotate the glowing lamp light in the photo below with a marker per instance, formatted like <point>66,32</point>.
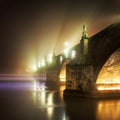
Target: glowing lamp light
<point>66,49</point>
<point>34,68</point>
<point>39,64</point>
<point>66,43</point>
<point>43,62</point>
<point>50,58</point>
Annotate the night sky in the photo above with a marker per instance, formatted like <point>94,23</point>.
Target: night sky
<point>34,28</point>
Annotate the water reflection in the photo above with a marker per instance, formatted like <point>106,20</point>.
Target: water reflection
<point>17,103</point>
<point>62,88</point>
<point>92,109</point>
<point>108,110</point>
<point>50,101</point>
<point>55,107</point>
<point>80,109</point>
<point>38,86</point>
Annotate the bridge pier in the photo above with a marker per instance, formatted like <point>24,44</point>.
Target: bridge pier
<point>52,75</point>
<point>79,77</point>
<point>80,74</point>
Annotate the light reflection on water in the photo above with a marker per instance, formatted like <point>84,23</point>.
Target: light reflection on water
<point>50,105</point>
<point>50,100</point>
<point>108,110</point>
<point>16,85</point>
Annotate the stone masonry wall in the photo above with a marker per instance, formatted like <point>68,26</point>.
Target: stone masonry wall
<point>79,76</point>
<point>52,75</point>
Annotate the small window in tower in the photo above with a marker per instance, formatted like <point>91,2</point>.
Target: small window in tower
<point>73,54</point>
<point>61,59</point>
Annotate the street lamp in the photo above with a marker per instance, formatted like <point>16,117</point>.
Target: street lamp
<point>50,58</point>
<point>43,62</point>
<point>66,44</point>
<point>66,51</point>
<point>39,64</point>
<point>34,68</point>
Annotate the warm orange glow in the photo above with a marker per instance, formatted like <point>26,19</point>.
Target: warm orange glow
<point>108,110</point>
<point>62,77</point>
<point>66,44</point>
<point>109,76</point>
<point>62,88</point>
<point>108,86</point>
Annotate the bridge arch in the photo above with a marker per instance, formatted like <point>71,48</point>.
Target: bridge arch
<point>102,46</point>
<point>62,70</point>
<point>109,76</point>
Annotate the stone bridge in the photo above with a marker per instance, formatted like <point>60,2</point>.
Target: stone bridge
<point>95,52</point>
<point>86,59</point>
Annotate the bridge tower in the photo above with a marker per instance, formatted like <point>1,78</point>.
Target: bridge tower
<point>84,41</point>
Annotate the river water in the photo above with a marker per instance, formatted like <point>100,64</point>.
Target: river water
<point>20,101</point>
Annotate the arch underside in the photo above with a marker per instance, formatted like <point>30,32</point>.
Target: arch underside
<point>62,73</point>
<point>62,76</point>
<point>109,76</point>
